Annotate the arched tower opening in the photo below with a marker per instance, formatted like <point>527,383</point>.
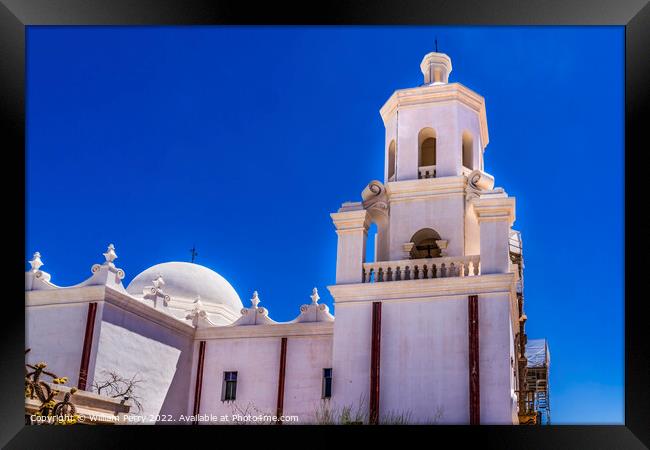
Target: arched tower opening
<point>427,153</point>
<point>468,150</point>
<point>425,245</point>
<point>392,155</point>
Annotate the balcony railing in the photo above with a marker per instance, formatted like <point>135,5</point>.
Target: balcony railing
<point>426,172</point>
<point>420,269</point>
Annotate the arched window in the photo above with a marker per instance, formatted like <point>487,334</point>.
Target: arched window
<point>425,244</point>
<point>468,150</point>
<point>427,153</point>
<point>391,161</point>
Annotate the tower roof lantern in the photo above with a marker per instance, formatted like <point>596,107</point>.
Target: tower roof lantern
<point>436,68</point>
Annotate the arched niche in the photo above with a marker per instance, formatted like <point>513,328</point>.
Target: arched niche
<point>468,150</point>
<point>392,160</point>
<point>427,153</point>
<point>425,245</point>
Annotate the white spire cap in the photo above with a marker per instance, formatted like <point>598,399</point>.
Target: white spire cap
<point>436,68</point>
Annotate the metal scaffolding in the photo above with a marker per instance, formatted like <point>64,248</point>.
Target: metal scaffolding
<point>533,358</point>
<point>537,380</point>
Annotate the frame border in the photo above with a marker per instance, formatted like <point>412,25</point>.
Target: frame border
<point>16,15</point>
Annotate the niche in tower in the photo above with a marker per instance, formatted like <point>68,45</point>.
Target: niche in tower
<point>425,245</point>
<point>427,153</point>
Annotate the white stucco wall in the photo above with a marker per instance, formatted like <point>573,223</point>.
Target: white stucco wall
<point>443,214</point>
<point>256,361</point>
<point>55,334</point>
<point>495,350</point>
<point>307,356</point>
<point>134,345</point>
<point>424,360</point>
<point>351,355</point>
<point>442,117</point>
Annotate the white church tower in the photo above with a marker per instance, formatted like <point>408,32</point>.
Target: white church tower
<point>429,330</point>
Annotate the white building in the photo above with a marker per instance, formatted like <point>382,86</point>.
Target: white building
<point>432,331</point>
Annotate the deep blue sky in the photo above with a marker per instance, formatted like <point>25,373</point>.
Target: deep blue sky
<point>242,140</point>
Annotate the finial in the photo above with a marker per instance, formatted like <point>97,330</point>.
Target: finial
<point>314,296</point>
<point>255,300</point>
<point>158,282</point>
<point>36,262</point>
<point>436,41</point>
<point>197,312</point>
<point>110,254</point>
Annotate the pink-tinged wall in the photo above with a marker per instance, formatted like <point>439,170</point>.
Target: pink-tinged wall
<point>135,345</point>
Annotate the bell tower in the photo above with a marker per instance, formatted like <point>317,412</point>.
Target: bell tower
<point>442,263</point>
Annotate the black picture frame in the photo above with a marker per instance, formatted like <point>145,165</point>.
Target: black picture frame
<point>634,15</point>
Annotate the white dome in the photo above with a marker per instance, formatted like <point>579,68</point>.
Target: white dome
<point>186,281</point>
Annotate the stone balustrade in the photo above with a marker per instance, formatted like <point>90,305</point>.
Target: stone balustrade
<point>426,172</point>
<point>419,269</point>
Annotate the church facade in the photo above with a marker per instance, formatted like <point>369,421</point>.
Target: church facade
<point>431,331</point>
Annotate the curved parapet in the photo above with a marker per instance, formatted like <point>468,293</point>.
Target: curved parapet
<point>255,315</point>
<point>314,312</point>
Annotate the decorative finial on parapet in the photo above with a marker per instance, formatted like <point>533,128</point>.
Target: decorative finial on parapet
<point>110,254</point>
<point>36,262</point>
<point>314,296</point>
<point>108,265</point>
<point>255,315</point>
<point>158,282</point>
<point>35,278</point>
<point>197,313</point>
<point>255,300</point>
<point>155,291</point>
<point>314,312</point>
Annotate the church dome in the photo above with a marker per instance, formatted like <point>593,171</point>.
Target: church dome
<point>186,281</point>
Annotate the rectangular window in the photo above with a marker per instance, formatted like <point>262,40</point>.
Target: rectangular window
<point>327,383</point>
<point>229,389</point>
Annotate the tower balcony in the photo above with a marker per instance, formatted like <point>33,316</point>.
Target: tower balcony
<point>419,269</point>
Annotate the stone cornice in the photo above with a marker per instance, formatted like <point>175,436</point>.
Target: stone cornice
<point>132,305</point>
<point>102,293</point>
<point>63,296</point>
<point>425,95</point>
<point>494,209</point>
<point>422,189</point>
<point>351,220</point>
<point>422,289</point>
<point>272,330</point>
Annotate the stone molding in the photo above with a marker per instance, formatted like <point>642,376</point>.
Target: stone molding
<point>494,209</point>
<point>409,190</point>
<point>423,289</point>
<point>267,330</point>
<point>349,221</point>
